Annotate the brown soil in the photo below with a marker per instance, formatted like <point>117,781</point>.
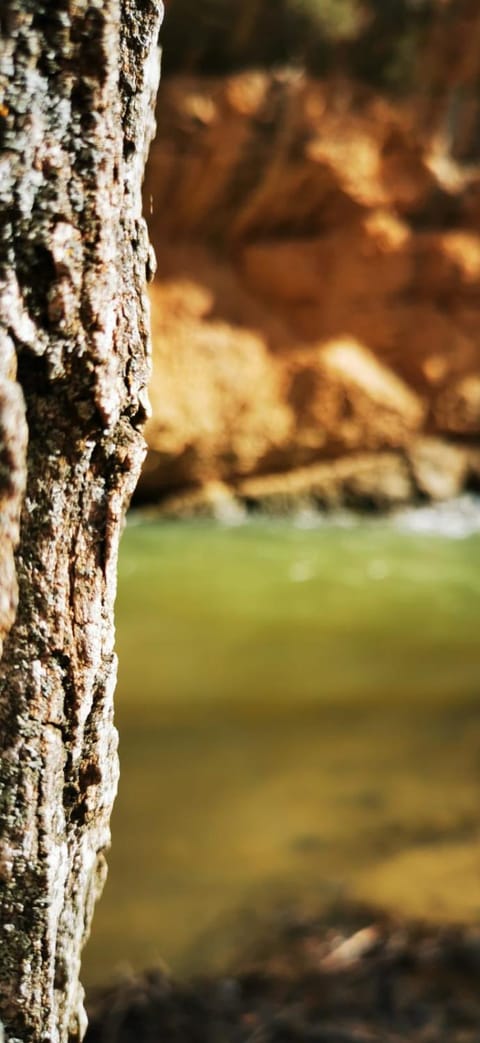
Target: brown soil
<point>353,980</point>
<point>317,294</point>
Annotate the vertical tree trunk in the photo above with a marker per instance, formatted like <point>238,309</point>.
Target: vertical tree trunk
<point>77,85</point>
<point>449,78</point>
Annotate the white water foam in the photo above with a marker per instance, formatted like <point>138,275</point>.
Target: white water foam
<point>456,519</point>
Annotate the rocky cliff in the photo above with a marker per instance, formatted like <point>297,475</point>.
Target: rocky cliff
<point>316,312</point>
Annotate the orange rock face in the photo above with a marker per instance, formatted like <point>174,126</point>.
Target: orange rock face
<point>317,294</point>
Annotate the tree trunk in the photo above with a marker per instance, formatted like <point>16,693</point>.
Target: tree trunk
<point>449,78</point>
<point>77,85</point>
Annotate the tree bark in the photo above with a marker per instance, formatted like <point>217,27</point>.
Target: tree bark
<point>78,80</point>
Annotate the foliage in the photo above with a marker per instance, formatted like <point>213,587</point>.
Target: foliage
<point>337,20</point>
<point>378,39</point>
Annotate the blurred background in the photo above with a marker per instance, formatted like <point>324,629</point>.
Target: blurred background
<point>299,601</point>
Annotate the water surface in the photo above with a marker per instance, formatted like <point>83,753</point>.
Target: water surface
<point>300,723</point>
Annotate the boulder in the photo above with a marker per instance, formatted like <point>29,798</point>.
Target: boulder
<point>214,500</point>
<point>367,481</point>
<point>439,470</point>
<point>215,395</point>
<point>345,400</point>
<point>457,409</point>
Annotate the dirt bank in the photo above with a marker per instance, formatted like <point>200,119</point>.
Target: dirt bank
<point>316,314</point>
<point>348,981</point>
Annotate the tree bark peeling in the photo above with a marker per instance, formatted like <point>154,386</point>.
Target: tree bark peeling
<point>78,80</point>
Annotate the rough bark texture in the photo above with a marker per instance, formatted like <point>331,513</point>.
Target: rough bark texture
<point>77,85</point>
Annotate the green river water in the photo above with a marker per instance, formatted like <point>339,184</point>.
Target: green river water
<point>299,722</point>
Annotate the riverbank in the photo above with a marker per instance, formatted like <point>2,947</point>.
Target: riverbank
<point>315,314</point>
<point>430,471</point>
<point>356,978</point>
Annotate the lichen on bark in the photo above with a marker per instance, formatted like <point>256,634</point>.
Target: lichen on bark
<point>78,80</point>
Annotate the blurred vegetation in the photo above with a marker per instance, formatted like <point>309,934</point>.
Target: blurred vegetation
<point>377,40</point>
